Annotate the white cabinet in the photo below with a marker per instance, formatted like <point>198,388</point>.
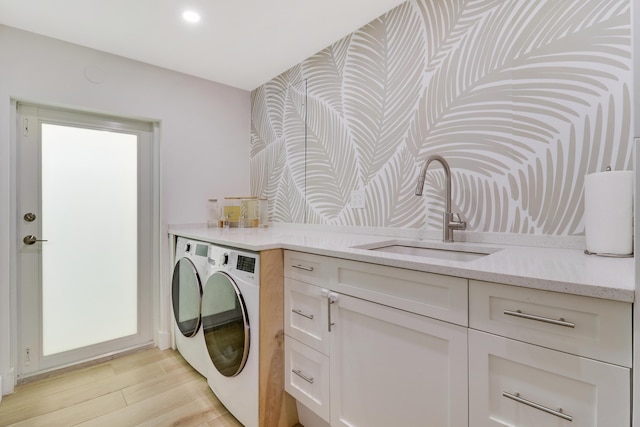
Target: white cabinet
<point>387,364</point>
<point>542,358</point>
<point>369,345</point>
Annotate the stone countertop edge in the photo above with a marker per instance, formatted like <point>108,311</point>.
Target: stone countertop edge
<point>562,270</point>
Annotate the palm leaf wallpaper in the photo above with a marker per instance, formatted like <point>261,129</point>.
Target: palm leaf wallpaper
<point>523,98</point>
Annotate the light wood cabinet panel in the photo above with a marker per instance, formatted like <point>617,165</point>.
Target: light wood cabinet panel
<point>275,408</point>
<point>517,384</point>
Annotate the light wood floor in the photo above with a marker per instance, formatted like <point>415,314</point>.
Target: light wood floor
<point>148,388</point>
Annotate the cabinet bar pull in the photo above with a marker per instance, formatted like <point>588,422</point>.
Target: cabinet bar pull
<point>302,267</point>
<point>303,376</point>
<point>308,316</point>
<point>559,322</point>
<point>557,413</point>
<point>332,298</point>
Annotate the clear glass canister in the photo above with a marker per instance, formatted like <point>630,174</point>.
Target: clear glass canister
<point>213,215</point>
<point>263,213</point>
<point>250,211</point>
<point>232,210</point>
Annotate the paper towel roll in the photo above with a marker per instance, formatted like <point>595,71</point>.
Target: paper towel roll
<point>608,212</point>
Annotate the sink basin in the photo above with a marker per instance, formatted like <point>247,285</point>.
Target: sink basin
<point>445,251</point>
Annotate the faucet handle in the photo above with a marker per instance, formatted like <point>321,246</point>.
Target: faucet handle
<point>457,224</point>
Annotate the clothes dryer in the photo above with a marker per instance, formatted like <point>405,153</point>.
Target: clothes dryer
<point>230,318</point>
<point>190,268</point>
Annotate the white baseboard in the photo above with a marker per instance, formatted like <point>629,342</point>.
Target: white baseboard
<point>164,340</point>
<point>7,383</point>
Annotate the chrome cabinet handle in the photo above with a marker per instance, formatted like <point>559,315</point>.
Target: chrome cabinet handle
<point>30,240</point>
<point>302,267</point>
<point>308,316</point>
<point>557,413</point>
<point>559,322</point>
<point>303,376</point>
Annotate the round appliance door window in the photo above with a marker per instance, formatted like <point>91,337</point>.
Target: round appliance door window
<point>226,324</point>
<point>186,295</point>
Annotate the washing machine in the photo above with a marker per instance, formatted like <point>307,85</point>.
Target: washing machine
<point>190,269</point>
<point>230,321</point>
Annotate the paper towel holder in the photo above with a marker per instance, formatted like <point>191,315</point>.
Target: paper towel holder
<point>602,254</point>
<point>587,252</point>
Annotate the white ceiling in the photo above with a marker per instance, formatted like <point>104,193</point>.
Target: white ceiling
<point>241,43</point>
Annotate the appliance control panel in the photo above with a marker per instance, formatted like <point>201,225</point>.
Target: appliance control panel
<point>238,263</point>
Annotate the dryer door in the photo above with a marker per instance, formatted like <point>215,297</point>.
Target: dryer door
<point>226,324</point>
<point>186,297</point>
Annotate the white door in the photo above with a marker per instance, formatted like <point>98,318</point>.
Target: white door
<point>85,230</point>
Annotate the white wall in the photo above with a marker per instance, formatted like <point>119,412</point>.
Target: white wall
<point>204,134</point>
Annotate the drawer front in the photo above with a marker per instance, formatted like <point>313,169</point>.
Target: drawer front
<point>440,297</point>
<point>307,376</point>
<point>306,314</point>
<point>590,327</point>
<point>307,268</point>
<point>518,384</point>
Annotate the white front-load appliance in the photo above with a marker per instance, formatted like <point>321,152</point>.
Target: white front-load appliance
<point>230,320</point>
<point>189,271</point>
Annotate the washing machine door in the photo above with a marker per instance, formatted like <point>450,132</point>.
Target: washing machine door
<point>186,296</point>
<point>226,324</point>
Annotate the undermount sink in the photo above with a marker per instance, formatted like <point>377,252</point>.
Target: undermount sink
<point>445,251</point>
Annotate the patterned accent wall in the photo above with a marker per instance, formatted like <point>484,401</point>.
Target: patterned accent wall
<point>521,97</point>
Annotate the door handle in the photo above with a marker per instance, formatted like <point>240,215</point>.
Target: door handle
<point>30,240</point>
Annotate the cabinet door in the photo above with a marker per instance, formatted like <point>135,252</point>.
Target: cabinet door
<point>394,368</point>
<point>516,384</point>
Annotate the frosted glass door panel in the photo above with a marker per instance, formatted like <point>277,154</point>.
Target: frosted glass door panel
<point>89,219</point>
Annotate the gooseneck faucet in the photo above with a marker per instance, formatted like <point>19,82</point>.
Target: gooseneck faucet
<point>448,223</point>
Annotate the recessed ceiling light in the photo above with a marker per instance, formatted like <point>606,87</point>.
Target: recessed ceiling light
<point>191,16</point>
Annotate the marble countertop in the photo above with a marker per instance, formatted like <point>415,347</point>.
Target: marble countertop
<point>554,269</point>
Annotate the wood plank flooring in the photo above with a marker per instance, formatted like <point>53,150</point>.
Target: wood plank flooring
<point>147,388</point>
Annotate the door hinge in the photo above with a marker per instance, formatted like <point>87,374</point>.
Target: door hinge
<point>25,127</point>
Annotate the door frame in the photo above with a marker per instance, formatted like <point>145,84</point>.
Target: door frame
<point>156,228</point>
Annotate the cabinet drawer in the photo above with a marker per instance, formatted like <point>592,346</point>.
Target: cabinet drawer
<point>591,327</point>
<point>306,314</point>
<point>517,384</point>
<point>307,268</point>
<point>306,373</point>
<point>437,296</point>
